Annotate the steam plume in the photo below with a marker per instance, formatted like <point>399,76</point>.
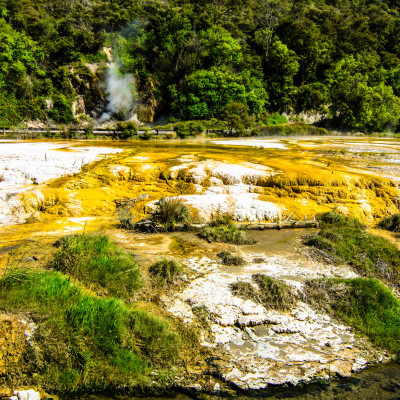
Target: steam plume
<point>120,97</point>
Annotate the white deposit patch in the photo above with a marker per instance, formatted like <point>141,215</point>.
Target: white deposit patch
<point>255,346</point>
<point>27,163</point>
<point>242,206</point>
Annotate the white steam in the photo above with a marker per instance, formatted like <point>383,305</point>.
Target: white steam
<point>120,94</point>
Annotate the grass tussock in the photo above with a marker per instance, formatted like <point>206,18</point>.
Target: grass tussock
<point>332,219</point>
<point>271,293</point>
<point>165,272</point>
<point>221,229</point>
<point>96,261</point>
<point>84,342</point>
<point>366,304</point>
<point>171,211</point>
<point>391,223</point>
<point>227,258</point>
<point>225,234</point>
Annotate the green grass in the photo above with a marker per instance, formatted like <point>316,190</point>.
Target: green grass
<point>84,342</point>
<point>365,304</point>
<point>227,258</point>
<point>332,219</point>
<point>221,229</point>
<point>96,261</point>
<point>165,272</point>
<point>391,223</point>
<point>371,255</point>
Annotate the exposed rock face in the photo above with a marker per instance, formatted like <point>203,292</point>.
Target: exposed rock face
<point>254,347</point>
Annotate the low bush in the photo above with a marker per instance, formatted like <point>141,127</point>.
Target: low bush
<point>125,130</point>
<point>365,304</point>
<point>391,223</point>
<point>165,271</point>
<point>96,261</point>
<point>222,219</point>
<point>171,211</point>
<point>84,342</point>
<point>227,258</point>
<point>203,315</point>
<point>290,129</point>
<point>189,128</point>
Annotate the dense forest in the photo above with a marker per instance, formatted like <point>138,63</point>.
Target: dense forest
<point>202,60</point>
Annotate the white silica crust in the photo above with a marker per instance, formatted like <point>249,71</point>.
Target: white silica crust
<point>27,163</point>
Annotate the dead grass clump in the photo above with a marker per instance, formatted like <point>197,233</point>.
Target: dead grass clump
<point>274,294</point>
<point>271,293</point>
<point>322,293</point>
<point>202,314</point>
<point>227,258</point>
<point>244,290</point>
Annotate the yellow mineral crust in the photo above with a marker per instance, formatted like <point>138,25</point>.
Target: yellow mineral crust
<point>305,178</point>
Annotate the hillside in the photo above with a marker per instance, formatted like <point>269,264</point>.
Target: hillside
<point>201,60</point>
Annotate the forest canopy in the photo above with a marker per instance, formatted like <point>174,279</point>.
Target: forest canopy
<point>193,59</point>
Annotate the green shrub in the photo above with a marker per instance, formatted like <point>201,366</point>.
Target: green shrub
<point>276,119</point>
<point>202,313</point>
<point>171,211</point>
<point>225,234</point>
<point>391,223</point>
<point>227,258</point>
<point>127,129</point>
<point>165,271</point>
<point>88,132</point>
<point>365,304</point>
<point>290,129</point>
<point>189,128</point>
<point>84,342</point>
<point>95,260</point>
<point>222,219</point>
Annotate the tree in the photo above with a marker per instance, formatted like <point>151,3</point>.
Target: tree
<point>205,93</point>
<point>237,117</point>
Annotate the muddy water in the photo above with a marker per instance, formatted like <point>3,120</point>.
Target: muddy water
<point>379,383</point>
